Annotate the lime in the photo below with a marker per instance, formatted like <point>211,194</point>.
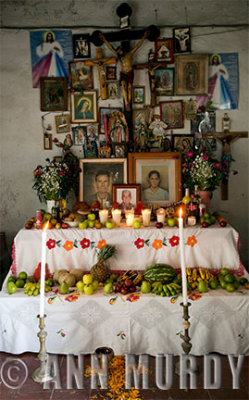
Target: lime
<point>95,285</point>
<point>223,284</point>
<point>22,275</point>
<point>20,283</point>
<point>229,278</point>
<point>30,280</point>
<point>213,284</point>
<point>230,287</point>
<point>12,278</point>
<point>88,289</point>
<point>213,219</point>
<point>242,281</point>
<point>224,271</point>
<point>202,286</point>
<point>11,287</point>
<point>236,284</point>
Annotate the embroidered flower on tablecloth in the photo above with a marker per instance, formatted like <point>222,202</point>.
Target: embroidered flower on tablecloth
<point>51,244</point>
<point>191,241</point>
<point>85,243</point>
<point>72,297</point>
<point>157,244</point>
<point>122,335</point>
<point>139,243</point>
<point>61,332</point>
<point>133,297</point>
<point>68,245</point>
<point>174,241</point>
<point>101,244</point>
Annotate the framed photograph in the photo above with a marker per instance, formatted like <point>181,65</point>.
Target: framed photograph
<point>111,73</point>
<point>140,117</point>
<point>190,109</point>
<point>47,141</point>
<point>80,75</point>
<point>172,113</point>
<point>53,94</point>
<point>105,111</point>
<point>120,150</point>
<point>138,94</point>
<point>159,175</point>
<point>79,135</point>
<point>164,79</point>
<point>81,46</point>
<point>97,177</point>
<point>164,50</point>
<point>62,123</point>
<point>126,196</point>
<point>113,90</point>
<point>84,106</point>
<point>182,39</point>
<point>183,143</point>
<point>191,76</point>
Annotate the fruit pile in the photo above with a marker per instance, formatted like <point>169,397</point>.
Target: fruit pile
<point>33,289</point>
<point>48,221</point>
<point>30,284</point>
<point>229,282</point>
<point>196,275</point>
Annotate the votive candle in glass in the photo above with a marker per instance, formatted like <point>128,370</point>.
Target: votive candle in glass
<point>160,215</point>
<point>116,216</point>
<point>129,216</point>
<point>146,213</point>
<point>103,216</point>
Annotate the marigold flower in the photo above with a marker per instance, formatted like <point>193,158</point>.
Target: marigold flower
<point>191,241</point>
<point>68,245</point>
<point>157,244</point>
<point>101,244</point>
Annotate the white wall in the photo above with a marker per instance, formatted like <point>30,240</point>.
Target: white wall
<point>22,139</point>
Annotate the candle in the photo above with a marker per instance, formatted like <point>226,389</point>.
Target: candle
<point>42,277</point>
<point>183,267</point>
<point>160,215</point>
<point>103,216</point>
<point>146,217</point>
<point>116,216</point>
<point>129,216</point>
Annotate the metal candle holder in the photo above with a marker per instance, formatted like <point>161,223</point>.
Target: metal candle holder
<point>186,345</point>
<point>42,374</point>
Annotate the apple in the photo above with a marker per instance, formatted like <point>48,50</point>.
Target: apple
<point>64,225</point>
<point>159,225</point>
<point>91,224</point>
<point>136,224</point>
<point>97,225</point>
<point>205,224</point>
<point>118,288</point>
<point>91,217</point>
<point>95,285</point>
<point>132,288</point>
<point>124,290</point>
<point>171,221</point>
<point>80,286</point>
<point>128,282</point>
<point>87,279</point>
<point>88,289</point>
<point>29,225</point>
<point>109,225</point>
<point>58,226</point>
<point>223,223</point>
<point>83,224</point>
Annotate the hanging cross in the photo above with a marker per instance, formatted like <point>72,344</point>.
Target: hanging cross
<point>100,62</point>
<point>226,159</point>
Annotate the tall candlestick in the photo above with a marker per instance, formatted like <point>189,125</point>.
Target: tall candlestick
<point>183,267</point>
<point>42,277</point>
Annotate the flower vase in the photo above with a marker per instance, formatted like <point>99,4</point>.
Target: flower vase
<point>50,205</point>
<point>205,198</point>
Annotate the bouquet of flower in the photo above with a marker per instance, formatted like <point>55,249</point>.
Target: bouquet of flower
<point>202,170</point>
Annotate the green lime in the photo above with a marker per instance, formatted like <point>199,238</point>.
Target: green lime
<point>213,219</point>
<point>213,284</point>
<point>12,278</point>
<point>22,275</point>
<point>229,278</point>
<point>223,284</point>
<point>236,284</point>
<point>224,271</point>
<point>30,280</point>
<point>11,287</point>
<point>242,281</point>
<point>20,283</point>
<point>230,287</point>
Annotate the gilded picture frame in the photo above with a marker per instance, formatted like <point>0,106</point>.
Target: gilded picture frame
<point>191,77</point>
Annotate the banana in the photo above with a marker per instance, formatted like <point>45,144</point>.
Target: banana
<point>194,274</point>
<point>172,291</point>
<point>188,270</point>
<point>202,273</point>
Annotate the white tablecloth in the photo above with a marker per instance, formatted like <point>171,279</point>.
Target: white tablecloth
<point>149,324</point>
<point>213,247</point>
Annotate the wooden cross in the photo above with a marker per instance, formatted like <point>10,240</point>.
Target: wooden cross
<point>100,62</point>
<point>226,140</point>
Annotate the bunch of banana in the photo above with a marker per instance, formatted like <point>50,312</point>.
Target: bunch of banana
<point>135,277</point>
<point>194,275</point>
<point>168,289</point>
<point>33,289</point>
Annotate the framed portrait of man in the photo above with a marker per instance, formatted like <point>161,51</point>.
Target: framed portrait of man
<point>97,177</point>
<point>126,196</point>
<point>159,175</point>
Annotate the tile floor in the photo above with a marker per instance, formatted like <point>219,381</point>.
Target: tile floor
<point>35,391</point>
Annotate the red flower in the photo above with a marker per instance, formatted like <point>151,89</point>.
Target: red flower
<point>55,140</point>
<point>85,243</point>
<point>189,153</point>
<point>61,173</point>
<point>174,241</point>
<point>51,244</point>
<point>139,243</point>
<point>205,157</point>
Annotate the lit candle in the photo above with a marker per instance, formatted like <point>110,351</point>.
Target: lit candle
<point>160,215</point>
<point>183,267</point>
<point>146,217</point>
<point>129,216</point>
<point>103,216</point>
<point>116,216</point>
<point>42,277</point>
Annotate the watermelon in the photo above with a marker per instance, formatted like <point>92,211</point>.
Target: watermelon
<point>160,273</point>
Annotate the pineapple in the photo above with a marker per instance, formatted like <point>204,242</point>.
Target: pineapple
<point>100,270</point>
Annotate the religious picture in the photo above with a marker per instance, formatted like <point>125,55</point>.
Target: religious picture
<point>105,111</point>
<point>53,94</point>
<point>113,90</point>
<point>191,74</point>
<point>84,106</point>
<point>111,73</point>
<point>164,50</point>
<point>183,143</point>
<point>182,40</point>
<point>62,123</point>
<point>190,109</point>
<point>81,46</point>
<point>92,142</point>
<point>223,86</point>
<point>138,94</point>
<point>118,128</point>
<point>80,75</point>
<point>51,52</point>
<point>120,150</point>
<point>172,114</point>
<point>164,81</point>
<point>79,135</point>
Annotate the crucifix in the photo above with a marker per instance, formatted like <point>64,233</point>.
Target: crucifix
<point>226,140</point>
<point>151,66</point>
<point>100,62</point>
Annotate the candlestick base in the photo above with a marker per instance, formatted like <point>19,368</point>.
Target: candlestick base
<point>186,345</point>
<point>42,374</point>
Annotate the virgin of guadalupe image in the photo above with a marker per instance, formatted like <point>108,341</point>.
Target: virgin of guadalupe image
<point>51,56</point>
<point>84,108</point>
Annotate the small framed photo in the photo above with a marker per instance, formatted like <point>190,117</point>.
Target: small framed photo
<point>182,39</point>
<point>172,113</point>
<point>111,73</point>
<point>53,94</point>
<point>140,117</point>
<point>138,94</point>
<point>81,46</point>
<point>84,106</point>
<point>113,90</point>
<point>80,75</point>
<point>47,141</point>
<point>79,135</point>
<point>126,196</point>
<point>164,79</point>
<point>105,111</point>
<point>120,150</point>
<point>191,76</point>
<point>62,123</point>
<point>183,143</point>
<point>190,109</point>
<point>164,50</point>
